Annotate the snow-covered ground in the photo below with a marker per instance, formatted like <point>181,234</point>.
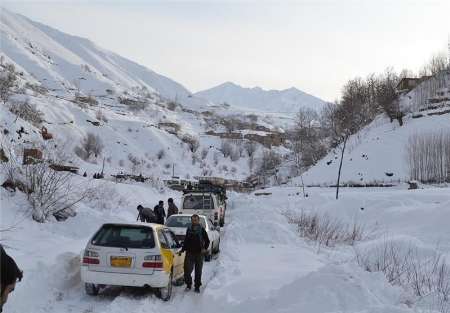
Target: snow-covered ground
<point>375,152</point>
<point>264,266</point>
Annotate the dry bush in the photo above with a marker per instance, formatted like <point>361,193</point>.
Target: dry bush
<point>136,163</point>
<point>428,156</point>
<point>99,115</point>
<point>425,276</point>
<point>161,153</point>
<point>49,192</point>
<point>226,147</point>
<point>91,145</point>
<point>204,153</point>
<point>27,112</point>
<point>326,230</point>
<point>192,142</point>
<point>8,80</point>
<point>52,192</point>
<point>134,105</point>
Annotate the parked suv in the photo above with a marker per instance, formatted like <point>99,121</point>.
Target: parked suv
<point>138,254</point>
<point>205,199</point>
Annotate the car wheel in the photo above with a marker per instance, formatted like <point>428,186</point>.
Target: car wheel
<point>91,289</point>
<point>218,247</point>
<point>208,255</point>
<point>166,292</point>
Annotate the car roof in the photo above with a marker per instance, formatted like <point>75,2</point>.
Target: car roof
<point>188,215</point>
<point>152,225</point>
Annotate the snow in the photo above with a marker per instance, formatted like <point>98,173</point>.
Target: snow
<point>259,100</point>
<point>377,149</point>
<point>58,60</point>
<point>264,266</point>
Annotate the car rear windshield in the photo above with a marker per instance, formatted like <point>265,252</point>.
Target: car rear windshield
<point>122,236</point>
<point>182,221</point>
<point>198,202</point>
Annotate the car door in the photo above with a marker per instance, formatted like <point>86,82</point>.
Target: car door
<point>166,251</point>
<point>213,234</point>
<point>178,261</point>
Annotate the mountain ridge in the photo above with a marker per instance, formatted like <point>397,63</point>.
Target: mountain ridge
<point>288,100</point>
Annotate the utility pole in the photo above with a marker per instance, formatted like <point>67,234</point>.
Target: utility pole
<point>173,170</point>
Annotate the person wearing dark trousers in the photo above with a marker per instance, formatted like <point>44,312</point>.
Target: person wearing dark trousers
<point>159,212</point>
<point>172,208</point>
<point>10,274</point>
<point>195,244</point>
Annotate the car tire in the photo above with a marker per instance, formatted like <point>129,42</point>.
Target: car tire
<point>91,289</point>
<point>208,255</point>
<point>166,292</point>
<point>218,247</point>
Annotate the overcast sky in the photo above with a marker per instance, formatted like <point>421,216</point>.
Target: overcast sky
<point>312,45</point>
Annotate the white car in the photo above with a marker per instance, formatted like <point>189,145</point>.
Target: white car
<point>138,254</point>
<point>178,223</point>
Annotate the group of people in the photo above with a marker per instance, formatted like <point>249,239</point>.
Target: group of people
<point>158,214</point>
<point>195,244</point>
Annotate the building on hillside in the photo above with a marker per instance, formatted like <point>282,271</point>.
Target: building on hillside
<point>409,83</point>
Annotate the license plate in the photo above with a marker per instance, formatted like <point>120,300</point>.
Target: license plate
<point>121,261</point>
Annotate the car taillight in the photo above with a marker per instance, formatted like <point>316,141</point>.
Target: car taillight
<point>152,261</point>
<point>90,261</point>
<point>90,257</point>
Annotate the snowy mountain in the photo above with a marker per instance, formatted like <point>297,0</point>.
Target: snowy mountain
<point>257,99</point>
<point>58,60</point>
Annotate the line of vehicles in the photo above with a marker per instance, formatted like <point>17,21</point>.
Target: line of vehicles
<point>146,255</point>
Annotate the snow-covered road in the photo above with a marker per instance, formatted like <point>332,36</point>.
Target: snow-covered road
<point>264,266</point>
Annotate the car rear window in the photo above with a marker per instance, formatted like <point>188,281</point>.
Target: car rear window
<point>122,236</point>
<point>182,221</point>
<point>198,202</point>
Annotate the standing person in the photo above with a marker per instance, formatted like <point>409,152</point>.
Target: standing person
<point>195,244</point>
<point>10,274</point>
<point>159,212</point>
<point>146,215</point>
<point>172,209</point>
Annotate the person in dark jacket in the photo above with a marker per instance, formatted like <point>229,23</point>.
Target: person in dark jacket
<point>146,215</point>
<point>10,274</point>
<point>172,209</point>
<point>159,212</point>
<point>195,244</point>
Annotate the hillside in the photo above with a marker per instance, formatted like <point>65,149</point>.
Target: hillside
<point>146,122</point>
<point>59,61</point>
<point>378,152</point>
<point>260,100</point>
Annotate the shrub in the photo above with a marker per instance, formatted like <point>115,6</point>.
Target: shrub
<point>192,142</point>
<point>91,145</point>
<point>27,112</point>
<point>99,115</point>
<point>204,153</point>
<point>8,78</point>
<point>405,266</point>
<point>226,148</point>
<point>428,157</point>
<point>172,105</point>
<point>326,230</point>
<point>161,153</point>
